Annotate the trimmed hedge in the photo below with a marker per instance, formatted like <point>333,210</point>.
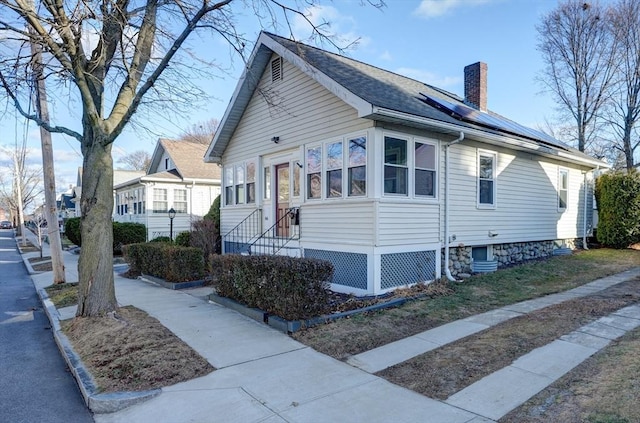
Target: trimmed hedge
<point>618,200</point>
<point>166,261</point>
<point>183,239</point>
<point>288,287</point>
<point>72,230</point>
<point>123,233</point>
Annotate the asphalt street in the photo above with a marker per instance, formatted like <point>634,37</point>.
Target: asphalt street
<point>35,385</point>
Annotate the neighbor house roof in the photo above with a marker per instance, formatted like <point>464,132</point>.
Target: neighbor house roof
<point>186,158</point>
<point>381,95</point>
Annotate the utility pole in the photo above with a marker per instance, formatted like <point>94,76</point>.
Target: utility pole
<point>53,231</point>
<point>18,166</point>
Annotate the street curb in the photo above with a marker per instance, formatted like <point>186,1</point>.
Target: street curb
<point>96,402</point>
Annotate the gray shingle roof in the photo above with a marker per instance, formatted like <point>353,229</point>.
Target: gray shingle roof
<point>378,87</point>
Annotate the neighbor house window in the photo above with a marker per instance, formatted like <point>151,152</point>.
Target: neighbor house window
<point>357,166</point>
<point>395,166</point>
<point>180,200</point>
<point>251,182</point>
<point>425,170</point>
<point>486,179</point>
<point>159,200</point>
<point>314,172</point>
<point>228,185</point>
<point>563,188</point>
<point>334,170</point>
<point>239,184</point>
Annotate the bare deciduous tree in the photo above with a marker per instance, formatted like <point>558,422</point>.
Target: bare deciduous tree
<point>118,57</point>
<point>138,160</point>
<point>625,109</point>
<point>578,50</point>
<point>29,178</point>
<point>201,133</point>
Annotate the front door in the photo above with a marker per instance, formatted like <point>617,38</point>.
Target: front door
<point>282,199</point>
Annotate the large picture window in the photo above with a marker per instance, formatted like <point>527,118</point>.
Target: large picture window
<point>357,166</point>
<point>563,188</point>
<point>486,179</point>
<point>314,172</point>
<point>395,166</point>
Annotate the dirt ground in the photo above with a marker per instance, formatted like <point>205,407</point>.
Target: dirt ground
<point>603,389</point>
<point>445,371</point>
<point>132,351</point>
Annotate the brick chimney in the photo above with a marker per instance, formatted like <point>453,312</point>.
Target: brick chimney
<point>475,85</point>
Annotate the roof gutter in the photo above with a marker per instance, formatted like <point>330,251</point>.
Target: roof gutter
<point>499,139</point>
<point>447,241</point>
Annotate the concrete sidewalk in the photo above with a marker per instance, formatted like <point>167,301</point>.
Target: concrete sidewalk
<point>265,376</point>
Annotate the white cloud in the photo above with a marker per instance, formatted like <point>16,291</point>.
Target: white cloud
<point>386,56</point>
<point>434,8</point>
<point>429,77</point>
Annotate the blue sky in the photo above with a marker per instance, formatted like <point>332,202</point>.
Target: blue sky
<point>429,40</point>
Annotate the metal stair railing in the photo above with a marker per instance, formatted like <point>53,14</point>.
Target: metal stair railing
<point>270,242</point>
<point>238,240</point>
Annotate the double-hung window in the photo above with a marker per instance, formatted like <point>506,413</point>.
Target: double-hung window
<point>395,166</point>
<point>357,167</point>
<point>314,172</point>
<point>180,200</point>
<point>425,170</point>
<point>334,170</point>
<point>251,182</point>
<point>486,179</point>
<point>228,185</point>
<point>160,200</point>
<point>563,189</point>
<point>239,184</point>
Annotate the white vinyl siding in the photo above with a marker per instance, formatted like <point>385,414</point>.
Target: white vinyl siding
<point>407,222</point>
<point>527,197</point>
<point>340,222</point>
<point>307,113</point>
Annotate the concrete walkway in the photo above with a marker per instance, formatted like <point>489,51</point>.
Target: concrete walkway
<point>265,376</point>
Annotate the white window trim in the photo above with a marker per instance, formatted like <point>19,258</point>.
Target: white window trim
<point>562,170</point>
<point>231,184</point>
<point>411,172</point>
<point>321,171</point>
<point>484,206</point>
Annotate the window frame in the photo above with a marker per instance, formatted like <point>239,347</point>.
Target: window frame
<point>165,201</point>
<point>415,168</point>
<point>177,203</point>
<point>238,184</point>
<point>309,173</point>
<point>411,143</point>
<point>561,171</point>
<point>494,179</point>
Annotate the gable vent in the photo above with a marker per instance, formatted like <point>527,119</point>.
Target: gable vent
<point>276,69</point>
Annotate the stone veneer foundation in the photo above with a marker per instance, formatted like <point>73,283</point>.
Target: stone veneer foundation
<point>506,254</point>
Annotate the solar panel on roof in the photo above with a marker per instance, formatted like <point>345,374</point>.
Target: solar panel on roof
<point>471,115</point>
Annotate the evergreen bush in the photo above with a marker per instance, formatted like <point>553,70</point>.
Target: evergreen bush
<point>618,201</point>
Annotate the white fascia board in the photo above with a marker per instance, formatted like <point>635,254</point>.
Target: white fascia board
<point>493,138</point>
<point>364,108</point>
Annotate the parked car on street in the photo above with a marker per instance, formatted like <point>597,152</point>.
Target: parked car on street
<point>5,224</point>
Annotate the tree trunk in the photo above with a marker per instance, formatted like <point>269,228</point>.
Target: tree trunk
<point>95,268</point>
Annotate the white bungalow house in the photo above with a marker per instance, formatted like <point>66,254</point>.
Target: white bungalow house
<point>177,179</point>
<point>385,176</point>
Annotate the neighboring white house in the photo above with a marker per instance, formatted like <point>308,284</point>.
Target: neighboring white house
<point>177,179</point>
<point>327,157</point>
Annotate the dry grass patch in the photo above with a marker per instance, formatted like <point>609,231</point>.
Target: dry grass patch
<point>603,389</point>
<point>132,351</point>
<point>442,372</point>
<point>478,294</point>
<point>64,294</point>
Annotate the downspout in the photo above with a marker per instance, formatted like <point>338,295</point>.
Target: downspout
<point>446,206</point>
<point>584,226</point>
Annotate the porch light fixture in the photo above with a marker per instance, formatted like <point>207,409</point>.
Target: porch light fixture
<point>275,139</point>
<point>172,214</point>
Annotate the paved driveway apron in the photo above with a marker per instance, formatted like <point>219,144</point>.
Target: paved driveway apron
<point>35,385</point>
